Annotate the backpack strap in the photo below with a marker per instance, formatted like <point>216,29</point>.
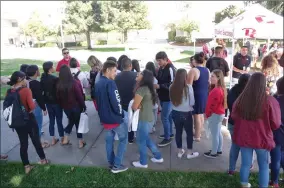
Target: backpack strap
<point>77,74</point>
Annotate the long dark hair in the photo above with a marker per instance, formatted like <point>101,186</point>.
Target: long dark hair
<point>46,67</point>
<point>151,67</point>
<point>135,65</point>
<point>243,80</point>
<point>179,87</point>
<point>250,103</point>
<point>147,81</point>
<point>65,82</point>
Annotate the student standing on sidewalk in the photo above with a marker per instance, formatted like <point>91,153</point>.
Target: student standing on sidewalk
<point>65,60</point>
<point>215,112</point>
<point>145,98</point>
<point>165,79</point>
<point>35,86</point>
<point>182,98</point>
<point>256,115</point>
<point>55,112</point>
<point>70,97</point>
<point>18,81</point>
<point>125,82</point>
<point>233,94</point>
<point>111,116</point>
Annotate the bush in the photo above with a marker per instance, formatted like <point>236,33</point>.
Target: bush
<point>171,35</point>
<point>51,44</point>
<point>101,42</point>
<point>181,39</point>
<point>83,44</point>
<point>113,42</point>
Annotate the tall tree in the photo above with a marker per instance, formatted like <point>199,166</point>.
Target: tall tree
<point>275,6</point>
<point>230,12</point>
<point>126,15</point>
<point>80,18</point>
<point>187,26</point>
<point>35,27</point>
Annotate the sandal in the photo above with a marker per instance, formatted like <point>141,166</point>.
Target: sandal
<point>83,145</point>
<point>29,168</point>
<point>43,162</point>
<point>66,144</point>
<point>45,145</point>
<point>54,141</point>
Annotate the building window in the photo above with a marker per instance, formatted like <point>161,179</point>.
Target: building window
<point>14,24</point>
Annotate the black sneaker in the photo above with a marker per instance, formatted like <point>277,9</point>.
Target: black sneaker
<point>116,170</point>
<point>218,152</point>
<point>130,141</point>
<point>209,155</point>
<point>165,143</point>
<point>163,136</point>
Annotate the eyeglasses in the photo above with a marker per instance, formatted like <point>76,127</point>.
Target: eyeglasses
<point>65,53</point>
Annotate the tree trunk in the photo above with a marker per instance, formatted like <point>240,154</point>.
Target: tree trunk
<point>124,36</point>
<point>88,36</point>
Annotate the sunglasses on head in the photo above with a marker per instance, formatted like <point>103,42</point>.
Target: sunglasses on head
<point>65,53</point>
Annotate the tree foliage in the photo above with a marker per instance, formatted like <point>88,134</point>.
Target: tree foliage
<point>80,18</point>
<point>230,12</point>
<point>35,27</point>
<point>275,6</point>
<point>187,26</point>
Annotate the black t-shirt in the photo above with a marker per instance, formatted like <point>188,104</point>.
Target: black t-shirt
<point>240,62</point>
<point>125,82</point>
<point>217,63</point>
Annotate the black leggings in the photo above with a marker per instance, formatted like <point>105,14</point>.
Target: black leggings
<point>23,133</point>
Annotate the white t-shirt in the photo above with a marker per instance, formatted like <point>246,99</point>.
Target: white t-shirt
<point>156,105</point>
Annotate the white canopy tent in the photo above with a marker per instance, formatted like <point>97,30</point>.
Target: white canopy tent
<point>255,22</point>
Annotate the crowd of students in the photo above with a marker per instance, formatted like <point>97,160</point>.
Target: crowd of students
<point>187,99</point>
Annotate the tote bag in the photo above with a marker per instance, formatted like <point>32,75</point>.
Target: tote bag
<point>84,123</point>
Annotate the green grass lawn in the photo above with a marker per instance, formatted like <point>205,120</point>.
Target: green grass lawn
<point>187,55</point>
<point>103,49</point>
<point>8,66</point>
<point>12,175</point>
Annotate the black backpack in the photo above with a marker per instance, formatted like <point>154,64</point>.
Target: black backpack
<point>13,110</point>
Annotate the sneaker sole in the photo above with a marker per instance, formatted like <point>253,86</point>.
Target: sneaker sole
<point>211,157</point>
<point>118,171</point>
<point>164,137</point>
<point>163,145</point>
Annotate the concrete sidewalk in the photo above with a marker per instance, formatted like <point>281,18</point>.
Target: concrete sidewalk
<point>94,153</point>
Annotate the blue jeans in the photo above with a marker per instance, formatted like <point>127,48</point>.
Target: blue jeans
<point>263,165</point>
<point>125,120</point>
<point>73,116</point>
<point>55,111</point>
<point>153,123</point>
<point>183,120</point>
<point>144,142</point>
<point>215,124</point>
<point>275,163</point>
<point>122,132</point>
<point>38,116</point>
<point>167,120</point>
<point>234,151</point>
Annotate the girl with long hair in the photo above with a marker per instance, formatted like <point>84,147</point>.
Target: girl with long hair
<point>182,98</point>
<point>151,67</point>
<point>135,65</point>
<point>70,97</point>
<point>18,84</point>
<point>233,94</point>
<point>270,69</point>
<point>144,99</point>
<point>198,77</point>
<point>55,112</point>
<point>215,112</point>
<point>256,115</point>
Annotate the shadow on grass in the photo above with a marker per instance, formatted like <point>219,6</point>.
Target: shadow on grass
<point>183,60</point>
<point>12,175</point>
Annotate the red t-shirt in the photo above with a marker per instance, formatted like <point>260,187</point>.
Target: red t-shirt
<point>64,62</point>
<point>215,102</point>
<point>110,126</point>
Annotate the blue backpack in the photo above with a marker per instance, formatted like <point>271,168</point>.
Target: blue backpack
<point>13,110</point>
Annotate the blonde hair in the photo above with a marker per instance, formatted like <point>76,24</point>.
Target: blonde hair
<point>221,83</point>
<point>94,62</point>
<point>270,65</point>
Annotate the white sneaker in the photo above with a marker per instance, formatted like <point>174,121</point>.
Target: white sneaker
<point>137,164</point>
<point>180,154</point>
<point>154,160</point>
<point>246,186</point>
<point>193,155</point>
